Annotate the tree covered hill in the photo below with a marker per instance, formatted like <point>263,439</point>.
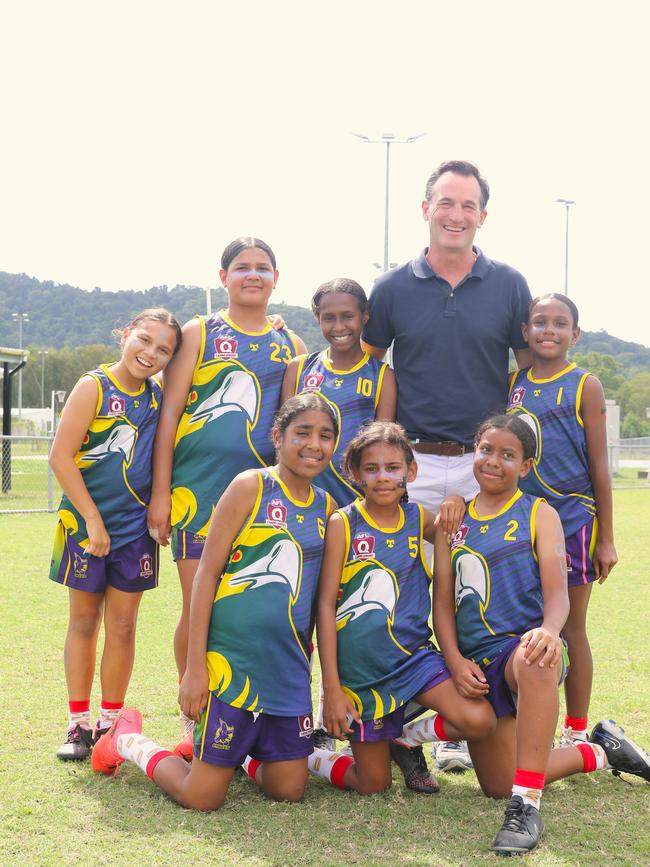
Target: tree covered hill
<point>63,316</point>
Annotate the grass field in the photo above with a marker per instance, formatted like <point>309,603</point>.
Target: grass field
<point>56,813</point>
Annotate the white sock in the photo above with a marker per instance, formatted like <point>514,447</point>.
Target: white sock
<point>318,716</point>
<point>107,716</point>
<point>82,718</point>
<point>529,796</point>
<point>329,766</point>
<point>137,748</point>
<point>418,732</point>
<point>250,766</point>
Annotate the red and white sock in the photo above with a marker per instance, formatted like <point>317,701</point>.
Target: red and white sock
<point>141,750</point>
<point>423,731</point>
<point>578,726</point>
<point>329,766</point>
<point>250,766</point>
<point>594,757</point>
<point>529,786</point>
<point>79,714</point>
<point>108,710</point>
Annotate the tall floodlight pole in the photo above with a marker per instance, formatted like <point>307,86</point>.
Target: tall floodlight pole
<point>567,204</point>
<point>387,139</point>
<point>20,318</point>
<point>42,353</point>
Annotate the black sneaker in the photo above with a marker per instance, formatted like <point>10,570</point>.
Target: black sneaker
<point>413,765</point>
<point>97,733</point>
<point>623,755</point>
<point>323,741</point>
<point>77,746</point>
<point>521,829</point>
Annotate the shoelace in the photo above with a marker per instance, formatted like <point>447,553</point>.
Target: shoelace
<point>515,818</point>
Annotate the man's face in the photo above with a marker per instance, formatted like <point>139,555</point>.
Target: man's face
<point>454,213</point>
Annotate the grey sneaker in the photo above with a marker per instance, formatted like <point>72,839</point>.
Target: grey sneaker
<point>77,746</point>
<point>323,741</point>
<point>453,756</point>
<point>521,829</point>
<point>413,765</point>
<point>623,755</point>
<point>568,738</point>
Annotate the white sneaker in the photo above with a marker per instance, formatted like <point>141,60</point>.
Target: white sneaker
<point>569,738</point>
<point>452,756</point>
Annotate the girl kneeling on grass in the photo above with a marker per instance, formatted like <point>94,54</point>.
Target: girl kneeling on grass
<point>373,631</point>
<point>103,554</point>
<point>499,607</point>
<point>247,678</point>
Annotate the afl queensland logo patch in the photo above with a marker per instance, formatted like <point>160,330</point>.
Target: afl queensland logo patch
<point>276,514</point>
<point>517,396</point>
<point>116,406</point>
<point>363,546</point>
<point>459,536</point>
<point>226,347</point>
<point>146,566</point>
<point>313,382</point>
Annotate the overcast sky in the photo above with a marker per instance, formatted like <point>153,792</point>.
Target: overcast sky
<point>139,138</point>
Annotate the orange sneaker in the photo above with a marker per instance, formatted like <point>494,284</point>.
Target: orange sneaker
<point>185,749</point>
<point>104,758</point>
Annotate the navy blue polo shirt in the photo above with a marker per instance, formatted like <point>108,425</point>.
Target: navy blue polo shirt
<point>451,347</point>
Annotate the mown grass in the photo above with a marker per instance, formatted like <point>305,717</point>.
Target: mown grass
<point>55,813</point>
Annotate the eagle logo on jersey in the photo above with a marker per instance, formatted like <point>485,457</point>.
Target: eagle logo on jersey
<point>363,546</point>
<point>279,565</point>
<point>517,396</point>
<point>471,578</point>
<point>375,593</point>
<point>313,381</point>
<point>223,736</point>
<point>225,347</point>
<point>121,439</point>
<point>237,393</point>
<point>276,514</point>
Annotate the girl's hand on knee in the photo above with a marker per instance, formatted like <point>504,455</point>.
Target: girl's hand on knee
<point>99,542</point>
<point>541,646</point>
<point>338,713</point>
<point>469,680</point>
<point>605,558</point>
<point>193,693</point>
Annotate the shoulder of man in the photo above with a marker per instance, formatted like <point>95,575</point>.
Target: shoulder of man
<point>505,271</point>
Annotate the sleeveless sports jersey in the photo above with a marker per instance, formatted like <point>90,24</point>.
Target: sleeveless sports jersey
<point>115,460</point>
<point>560,473</point>
<point>263,613</point>
<point>382,611</point>
<point>225,427</point>
<point>498,590</point>
<point>354,394</point>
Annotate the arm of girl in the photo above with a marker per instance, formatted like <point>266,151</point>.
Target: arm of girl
<point>543,644</point>
<point>387,403</point>
<point>592,410</point>
<point>337,708</point>
<point>177,380</point>
<point>230,514</point>
<point>289,381</point>
<point>79,413</point>
<point>467,675</point>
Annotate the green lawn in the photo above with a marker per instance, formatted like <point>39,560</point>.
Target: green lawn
<point>54,813</point>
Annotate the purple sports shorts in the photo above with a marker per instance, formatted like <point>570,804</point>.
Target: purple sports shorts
<point>579,548</point>
<point>187,546</point>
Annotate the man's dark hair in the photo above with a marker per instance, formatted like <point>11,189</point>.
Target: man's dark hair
<point>459,167</point>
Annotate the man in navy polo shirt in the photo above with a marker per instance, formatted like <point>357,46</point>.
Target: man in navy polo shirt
<point>451,315</point>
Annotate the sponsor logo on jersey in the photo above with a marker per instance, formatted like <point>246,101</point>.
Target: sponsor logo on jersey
<point>223,736</point>
<point>80,566</point>
<point>146,566</point>
<point>198,539</point>
<point>225,347</point>
<point>313,381</point>
<point>116,405</point>
<point>305,726</point>
<point>363,546</point>
<point>459,536</point>
<point>276,514</point>
<point>517,396</point>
